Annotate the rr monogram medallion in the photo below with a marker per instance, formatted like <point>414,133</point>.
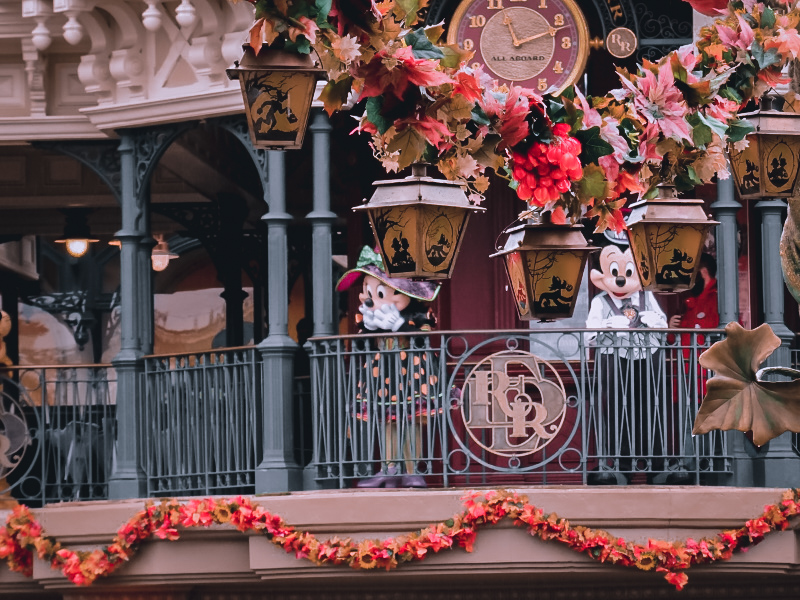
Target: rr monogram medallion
<point>514,403</point>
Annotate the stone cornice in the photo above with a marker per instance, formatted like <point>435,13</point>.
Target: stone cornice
<point>503,554</point>
<point>169,110</point>
<point>33,129</point>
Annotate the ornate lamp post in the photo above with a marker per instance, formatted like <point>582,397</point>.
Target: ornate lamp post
<point>667,236</point>
<point>544,263</point>
<point>418,224</point>
<point>278,88</point>
<point>769,165</point>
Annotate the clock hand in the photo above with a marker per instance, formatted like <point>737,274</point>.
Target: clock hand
<point>507,21</point>
<point>550,31</point>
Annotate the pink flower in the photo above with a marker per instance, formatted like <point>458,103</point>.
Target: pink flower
<point>660,102</point>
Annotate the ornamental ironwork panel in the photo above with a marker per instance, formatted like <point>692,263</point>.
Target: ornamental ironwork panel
<point>555,407</point>
<point>56,433</point>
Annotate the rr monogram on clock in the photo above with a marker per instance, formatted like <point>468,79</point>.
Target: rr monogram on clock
<point>539,44</point>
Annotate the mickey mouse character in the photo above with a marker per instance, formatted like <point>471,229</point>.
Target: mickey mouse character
<point>622,304</point>
<point>625,362</point>
<point>399,393</point>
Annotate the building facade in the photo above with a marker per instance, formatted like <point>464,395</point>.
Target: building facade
<point>118,124</point>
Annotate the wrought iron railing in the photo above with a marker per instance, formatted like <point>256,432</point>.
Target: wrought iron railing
<point>200,422</point>
<point>490,407</point>
<point>56,432</point>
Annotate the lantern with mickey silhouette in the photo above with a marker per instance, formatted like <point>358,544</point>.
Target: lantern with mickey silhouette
<point>278,89</point>
<point>419,223</point>
<point>667,235</point>
<point>770,163</point>
<point>544,263</point>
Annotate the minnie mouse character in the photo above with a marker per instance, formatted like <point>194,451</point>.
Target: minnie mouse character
<point>398,393</point>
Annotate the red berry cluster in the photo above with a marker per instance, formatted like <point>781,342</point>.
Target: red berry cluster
<point>548,170</point>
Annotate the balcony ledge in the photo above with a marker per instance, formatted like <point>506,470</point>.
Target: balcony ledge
<point>503,554</point>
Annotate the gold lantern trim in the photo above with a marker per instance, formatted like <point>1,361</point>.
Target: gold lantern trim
<point>544,263</point>
<point>278,90</point>
<point>667,235</point>
<point>419,223</point>
<point>770,164</point>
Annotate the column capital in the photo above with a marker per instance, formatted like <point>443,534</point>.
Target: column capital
<point>321,216</point>
<point>727,204</point>
<point>774,204</point>
<point>276,217</point>
<point>321,122</point>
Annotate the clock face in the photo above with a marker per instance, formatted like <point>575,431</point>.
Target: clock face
<point>538,44</point>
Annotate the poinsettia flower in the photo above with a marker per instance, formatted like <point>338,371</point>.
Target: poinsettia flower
<point>660,102</point>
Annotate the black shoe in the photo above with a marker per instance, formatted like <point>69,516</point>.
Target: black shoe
<point>602,477</point>
<point>679,478</point>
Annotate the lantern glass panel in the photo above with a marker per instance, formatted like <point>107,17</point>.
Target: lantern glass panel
<point>780,164</point>
<point>673,254</point>
<point>746,169</point>
<point>441,230</point>
<point>548,276</point>
<point>516,268</point>
<point>277,105</point>
<point>395,230</point>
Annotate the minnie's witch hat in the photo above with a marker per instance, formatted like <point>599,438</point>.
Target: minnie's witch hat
<point>370,263</point>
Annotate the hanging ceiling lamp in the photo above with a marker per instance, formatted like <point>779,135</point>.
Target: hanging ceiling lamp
<point>161,254</point>
<point>77,235</point>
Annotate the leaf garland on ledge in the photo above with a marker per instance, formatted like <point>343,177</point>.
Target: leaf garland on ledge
<point>23,537</point>
<point>669,121</point>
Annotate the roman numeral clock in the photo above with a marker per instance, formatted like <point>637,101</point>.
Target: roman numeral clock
<point>537,44</point>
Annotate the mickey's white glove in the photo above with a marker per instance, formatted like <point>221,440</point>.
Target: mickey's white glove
<point>616,322</point>
<point>369,317</point>
<point>389,318</point>
<point>652,319</point>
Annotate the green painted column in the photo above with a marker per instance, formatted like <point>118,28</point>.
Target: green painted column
<point>278,471</point>
<point>321,219</point>
<point>127,479</point>
<point>725,209</point>
<point>776,465</point>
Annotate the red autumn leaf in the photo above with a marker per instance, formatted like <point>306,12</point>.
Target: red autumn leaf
<point>393,74</point>
<point>434,131</point>
<point>467,85</point>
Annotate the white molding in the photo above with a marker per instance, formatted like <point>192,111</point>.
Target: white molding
<point>167,110</point>
<point>13,91</point>
<point>31,129</point>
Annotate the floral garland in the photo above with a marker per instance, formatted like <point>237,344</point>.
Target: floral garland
<point>23,537</point>
<point>575,156</point>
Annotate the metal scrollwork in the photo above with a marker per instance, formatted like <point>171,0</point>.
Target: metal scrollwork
<point>15,437</point>
<point>237,126</point>
<point>514,404</point>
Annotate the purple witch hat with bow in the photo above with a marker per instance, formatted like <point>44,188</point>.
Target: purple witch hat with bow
<point>370,263</point>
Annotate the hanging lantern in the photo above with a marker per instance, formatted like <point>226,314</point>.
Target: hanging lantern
<point>278,88</point>
<point>544,263</point>
<point>667,235</point>
<point>418,224</point>
<point>769,165</point>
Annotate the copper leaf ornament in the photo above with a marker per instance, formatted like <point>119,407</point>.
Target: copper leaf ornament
<point>737,397</point>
